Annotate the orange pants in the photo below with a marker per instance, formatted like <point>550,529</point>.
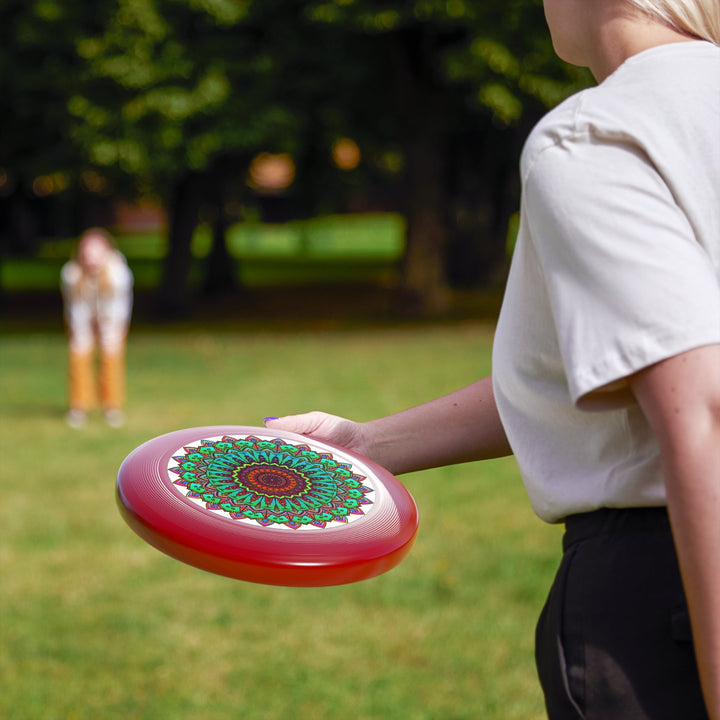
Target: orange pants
<point>84,393</point>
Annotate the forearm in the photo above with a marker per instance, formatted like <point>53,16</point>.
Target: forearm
<point>693,496</point>
<point>460,427</point>
<point>681,400</point>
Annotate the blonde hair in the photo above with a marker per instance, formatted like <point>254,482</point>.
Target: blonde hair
<point>699,18</point>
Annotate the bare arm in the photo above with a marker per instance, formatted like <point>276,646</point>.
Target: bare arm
<point>681,400</point>
<point>455,428</point>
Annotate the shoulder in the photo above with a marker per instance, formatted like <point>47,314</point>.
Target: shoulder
<point>596,116</point>
<point>117,269</point>
<point>648,105</point>
<point>553,130</point>
<point>116,278</point>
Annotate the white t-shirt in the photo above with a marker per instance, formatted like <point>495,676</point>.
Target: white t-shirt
<point>97,307</point>
<point>617,266</point>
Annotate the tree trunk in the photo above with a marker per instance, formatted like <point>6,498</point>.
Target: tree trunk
<point>220,267</point>
<point>485,194</point>
<point>175,295</point>
<point>424,276</point>
<point>424,143</point>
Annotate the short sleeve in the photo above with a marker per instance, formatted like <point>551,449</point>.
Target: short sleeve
<point>628,282</point>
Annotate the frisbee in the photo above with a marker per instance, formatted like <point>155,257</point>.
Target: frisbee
<point>266,506</point>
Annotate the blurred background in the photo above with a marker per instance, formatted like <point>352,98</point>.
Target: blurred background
<point>232,145</point>
<point>317,200</point>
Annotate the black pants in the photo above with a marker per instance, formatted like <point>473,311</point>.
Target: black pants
<point>613,641</point>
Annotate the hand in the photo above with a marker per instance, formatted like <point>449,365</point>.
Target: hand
<point>324,427</point>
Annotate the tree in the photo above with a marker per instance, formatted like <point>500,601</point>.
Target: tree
<point>184,93</point>
<point>460,72</point>
<point>38,69</point>
<point>175,98</point>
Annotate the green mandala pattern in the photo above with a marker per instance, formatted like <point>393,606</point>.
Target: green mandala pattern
<point>272,482</point>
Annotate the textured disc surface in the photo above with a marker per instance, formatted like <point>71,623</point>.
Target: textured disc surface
<point>266,506</point>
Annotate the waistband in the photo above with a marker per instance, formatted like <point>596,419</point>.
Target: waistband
<point>607,521</point>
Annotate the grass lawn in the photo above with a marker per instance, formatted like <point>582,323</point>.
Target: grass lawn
<point>94,623</point>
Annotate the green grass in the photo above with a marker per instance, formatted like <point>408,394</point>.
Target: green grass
<point>32,274</point>
<point>94,623</point>
<point>324,249</point>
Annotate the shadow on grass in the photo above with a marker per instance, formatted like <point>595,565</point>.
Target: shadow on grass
<point>341,306</point>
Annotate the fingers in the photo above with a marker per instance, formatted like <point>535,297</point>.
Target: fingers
<point>320,426</point>
<point>306,424</point>
<point>291,423</point>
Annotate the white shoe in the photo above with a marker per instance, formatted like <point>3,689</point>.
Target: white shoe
<point>75,418</point>
<point>115,418</point>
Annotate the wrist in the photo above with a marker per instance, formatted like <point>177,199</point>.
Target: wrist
<point>375,445</point>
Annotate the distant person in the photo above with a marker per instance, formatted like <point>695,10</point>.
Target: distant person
<point>97,294</point>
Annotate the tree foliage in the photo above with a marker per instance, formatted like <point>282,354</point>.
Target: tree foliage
<point>175,97</point>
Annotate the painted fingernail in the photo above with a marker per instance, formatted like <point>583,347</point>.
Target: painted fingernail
<point>270,417</point>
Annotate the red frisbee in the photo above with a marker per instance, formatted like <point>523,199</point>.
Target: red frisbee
<point>266,506</point>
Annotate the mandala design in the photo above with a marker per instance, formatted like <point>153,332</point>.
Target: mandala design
<point>271,482</point>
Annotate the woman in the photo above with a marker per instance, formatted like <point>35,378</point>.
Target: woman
<point>606,365</point>
<point>97,293</point>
